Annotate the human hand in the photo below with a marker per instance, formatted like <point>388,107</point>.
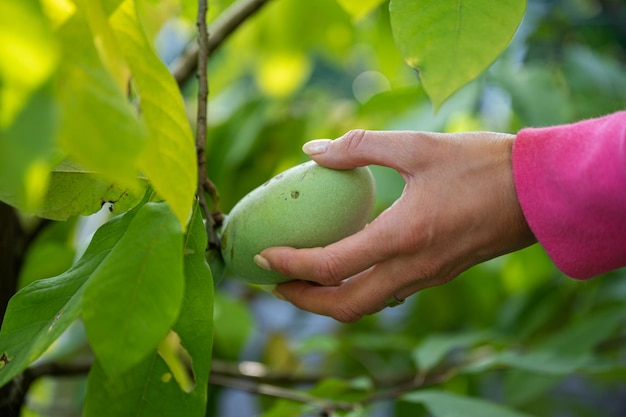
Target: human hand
<point>458,208</point>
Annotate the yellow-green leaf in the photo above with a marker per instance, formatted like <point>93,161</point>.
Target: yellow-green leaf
<point>72,191</point>
<point>169,159</point>
<point>100,128</point>
<point>28,54</point>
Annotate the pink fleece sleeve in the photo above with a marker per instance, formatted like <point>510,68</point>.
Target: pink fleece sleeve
<point>571,183</point>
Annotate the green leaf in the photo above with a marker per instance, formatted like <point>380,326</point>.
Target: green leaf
<point>50,254</point>
<point>145,389</point>
<point>27,151</point>
<point>195,323</point>
<point>435,347</point>
<point>150,388</point>
<point>567,351</point>
<point>38,314</point>
<point>445,404</point>
<point>233,325</point>
<point>451,42</point>
<point>100,128</point>
<point>583,335</point>
<point>73,191</point>
<point>169,160</point>
<point>545,361</point>
<point>359,8</point>
<point>134,297</point>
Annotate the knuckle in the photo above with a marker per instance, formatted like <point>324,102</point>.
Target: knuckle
<point>327,270</point>
<point>345,312</point>
<point>354,139</point>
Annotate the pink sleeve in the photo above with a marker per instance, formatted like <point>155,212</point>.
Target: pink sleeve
<point>571,183</point>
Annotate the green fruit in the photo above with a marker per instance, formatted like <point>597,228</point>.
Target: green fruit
<point>306,206</point>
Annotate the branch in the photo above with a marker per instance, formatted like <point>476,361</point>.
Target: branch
<point>225,24</point>
<point>201,123</point>
<point>253,377</point>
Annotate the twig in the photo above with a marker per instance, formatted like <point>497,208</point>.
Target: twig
<point>14,393</point>
<point>278,392</point>
<point>225,24</point>
<point>201,125</point>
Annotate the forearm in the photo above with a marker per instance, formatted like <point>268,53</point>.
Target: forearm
<point>571,183</point>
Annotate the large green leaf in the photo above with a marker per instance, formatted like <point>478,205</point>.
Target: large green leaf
<point>134,297</point>
<point>169,160</point>
<point>100,128</point>
<point>29,57</point>
<point>451,42</point>
<point>38,314</point>
<point>195,323</point>
<point>72,191</point>
<point>149,388</point>
<point>446,404</point>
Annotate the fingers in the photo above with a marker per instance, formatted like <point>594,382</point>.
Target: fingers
<point>346,302</point>
<point>326,266</point>
<point>365,147</point>
<point>360,295</point>
<point>333,263</point>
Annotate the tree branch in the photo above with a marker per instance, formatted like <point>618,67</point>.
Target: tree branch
<point>253,377</point>
<point>225,24</point>
<point>201,124</point>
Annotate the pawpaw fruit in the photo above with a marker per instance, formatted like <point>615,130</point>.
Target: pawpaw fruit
<point>303,207</point>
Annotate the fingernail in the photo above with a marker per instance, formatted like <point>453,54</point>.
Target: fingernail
<point>262,262</point>
<point>278,295</point>
<point>316,146</point>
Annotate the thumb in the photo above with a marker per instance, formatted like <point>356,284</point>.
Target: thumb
<point>362,147</point>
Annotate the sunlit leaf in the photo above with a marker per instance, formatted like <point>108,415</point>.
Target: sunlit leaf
<point>169,159</point>
<point>40,312</point>
<point>72,191</point>
<point>281,74</point>
<point>359,8</point>
<point>447,404</point>
<point>28,54</point>
<point>134,297</point>
<point>451,42</point>
<point>110,55</point>
<point>100,129</point>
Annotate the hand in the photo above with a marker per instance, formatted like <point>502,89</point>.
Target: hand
<point>458,208</point>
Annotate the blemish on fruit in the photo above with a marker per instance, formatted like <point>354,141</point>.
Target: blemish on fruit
<point>295,194</point>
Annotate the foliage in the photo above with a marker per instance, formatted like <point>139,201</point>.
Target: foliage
<point>92,118</point>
